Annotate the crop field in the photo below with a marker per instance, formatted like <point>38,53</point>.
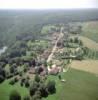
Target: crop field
<point>90,30</point>
<point>86,65</point>
<point>89,43</point>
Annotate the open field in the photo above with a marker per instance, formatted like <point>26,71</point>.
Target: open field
<point>79,85</point>
<point>90,30</point>
<point>89,43</point>
<point>86,65</point>
<point>5,90</point>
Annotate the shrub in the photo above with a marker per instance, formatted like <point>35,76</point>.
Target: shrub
<point>20,74</point>
<point>36,97</point>
<point>51,87</point>
<point>23,79</point>
<point>26,98</point>
<point>28,78</point>
<point>12,69</point>
<point>43,90</point>
<point>2,72</point>
<point>14,96</point>
<point>9,76</point>
<point>25,69</point>
<point>16,79</point>
<point>37,78</point>
<point>16,72</point>
<point>27,84</point>
<point>76,40</point>
<point>21,83</point>
<point>12,82</point>
<point>1,78</point>
<point>33,88</point>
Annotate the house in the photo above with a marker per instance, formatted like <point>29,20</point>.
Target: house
<point>54,70</point>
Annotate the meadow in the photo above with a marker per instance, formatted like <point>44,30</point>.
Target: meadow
<point>79,85</point>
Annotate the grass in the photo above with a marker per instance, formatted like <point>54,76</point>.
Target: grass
<point>90,30</point>
<point>45,30</point>
<point>5,90</point>
<point>79,86</point>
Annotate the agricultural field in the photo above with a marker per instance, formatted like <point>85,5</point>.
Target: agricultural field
<point>90,30</point>
<point>90,66</point>
<point>89,43</point>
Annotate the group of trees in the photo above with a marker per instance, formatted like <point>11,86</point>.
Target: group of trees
<point>2,74</point>
<point>41,89</point>
<point>37,91</point>
<point>72,42</point>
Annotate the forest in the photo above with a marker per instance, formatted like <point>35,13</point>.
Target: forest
<point>15,23</point>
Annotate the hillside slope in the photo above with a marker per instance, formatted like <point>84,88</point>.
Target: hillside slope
<point>90,30</point>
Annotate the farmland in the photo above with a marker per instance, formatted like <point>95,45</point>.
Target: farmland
<point>90,30</point>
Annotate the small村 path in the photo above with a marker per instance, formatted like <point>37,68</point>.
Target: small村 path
<point>55,46</point>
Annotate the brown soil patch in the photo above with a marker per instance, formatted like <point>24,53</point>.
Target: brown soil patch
<point>86,65</point>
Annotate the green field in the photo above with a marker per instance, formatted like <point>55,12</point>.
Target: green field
<point>78,86</point>
<point>5,90</point>
<point>90,30</point>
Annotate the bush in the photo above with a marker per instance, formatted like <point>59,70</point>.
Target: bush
<point>21,83</point>
<point>1,78</point>
<point>76,40</point>
<point>14,96</point>
<point>9,76</point>
<point>23,79</point>
<point>2,72</point>
<point>12,69</point>
<point>28,78</point>
<point>51,87</point>
<point>16,72</point>
<point>37,78</point>
<point>20,74</point>
<point>43,90</point>
<point>26,98</point>
<point>16,79</point>
<point>36,97</point>
<point>12,82</point>
<point>33,88</point>
<point>27,84</point>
